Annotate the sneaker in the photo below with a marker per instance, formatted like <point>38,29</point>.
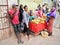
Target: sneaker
<point>19,41</point>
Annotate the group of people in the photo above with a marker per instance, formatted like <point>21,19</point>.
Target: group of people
<point>20,19</point>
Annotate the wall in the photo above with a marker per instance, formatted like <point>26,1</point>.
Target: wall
<point>32,4</point>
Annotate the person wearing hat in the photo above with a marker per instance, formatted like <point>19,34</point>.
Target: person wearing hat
<point>14,17</point>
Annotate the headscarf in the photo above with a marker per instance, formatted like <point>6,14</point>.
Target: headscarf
<point>53,12</point>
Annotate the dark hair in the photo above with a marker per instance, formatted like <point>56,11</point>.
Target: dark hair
<point>31,12</point>
<point>21,13</point>
<point>39,6</point>
<point>21,6</point>
<point>43,5</point>
<point>25,6</point>
<point>13,6</point>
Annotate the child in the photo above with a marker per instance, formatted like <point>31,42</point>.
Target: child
<point>31,15</point>
<point>14,16</point>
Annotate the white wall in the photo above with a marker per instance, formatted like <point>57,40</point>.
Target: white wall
<point>10,2</point>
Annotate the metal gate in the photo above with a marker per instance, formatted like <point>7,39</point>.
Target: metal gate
<point>4,22</point>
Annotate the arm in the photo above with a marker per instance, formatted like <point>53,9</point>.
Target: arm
<point>11,14</point>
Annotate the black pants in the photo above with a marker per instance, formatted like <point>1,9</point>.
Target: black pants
<point>26,30</point>
<point>17,30</point>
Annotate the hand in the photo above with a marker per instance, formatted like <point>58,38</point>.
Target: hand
<point>27,26</point>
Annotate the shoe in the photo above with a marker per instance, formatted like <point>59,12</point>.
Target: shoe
<point>19,41</point>
<point>50,34</point>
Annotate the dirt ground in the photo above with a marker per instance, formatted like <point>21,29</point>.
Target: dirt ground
<point>37,40</point>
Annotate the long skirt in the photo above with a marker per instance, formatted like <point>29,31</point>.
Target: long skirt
<point>50,25</point>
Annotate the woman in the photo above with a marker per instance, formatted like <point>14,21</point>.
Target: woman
<point>20,20</point>
<point>39,13</point>
<point>21,13</point>
<point>51,19</point>
<point>25,21</point>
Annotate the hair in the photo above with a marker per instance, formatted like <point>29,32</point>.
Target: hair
<point>13,6</point>
<point>21,6</point>
<point>53,9</point>
<point>21,13</point>
<point>31,12</point>
<point>39,6</point>
<point>25,6</point>
<point>43,5</point>
<point>53,5</point>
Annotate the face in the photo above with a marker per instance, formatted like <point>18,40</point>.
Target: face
<point>15,8</point>
<point>26,8</point>
<point>45,6</point>
<point>52,9</point>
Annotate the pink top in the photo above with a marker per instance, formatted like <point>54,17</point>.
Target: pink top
<point>15,20</point>
<point>36,13</point>
<point>39,13</point>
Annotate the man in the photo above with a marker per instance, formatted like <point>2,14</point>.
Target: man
<point>14,17</point>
